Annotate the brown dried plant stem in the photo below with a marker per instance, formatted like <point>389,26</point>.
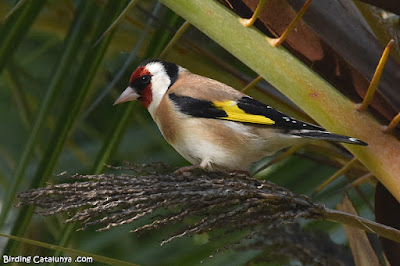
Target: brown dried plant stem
<point>250,21</point>
<point>362,223</point>
<point>377,76</point>
<point>252,84</point>
<point>338,173</point>
<point>281,157</point>
<point>276,42</point>
<point>363,179</point>
<point>392,124</point>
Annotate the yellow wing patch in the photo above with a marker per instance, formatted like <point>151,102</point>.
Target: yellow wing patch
<point>236,114</point>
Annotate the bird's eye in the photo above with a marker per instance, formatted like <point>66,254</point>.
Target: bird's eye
<point>145,79</point>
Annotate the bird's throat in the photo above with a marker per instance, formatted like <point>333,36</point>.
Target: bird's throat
<point>147,97</point>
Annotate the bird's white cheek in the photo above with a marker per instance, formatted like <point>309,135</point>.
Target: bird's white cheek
<point>159,88</point>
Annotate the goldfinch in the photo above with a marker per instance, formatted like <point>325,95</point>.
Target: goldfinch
<point>211,124</point>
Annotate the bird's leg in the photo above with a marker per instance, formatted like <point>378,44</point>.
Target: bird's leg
<point>205,164</point>
<point>187,169</point>
<point>240,172</point>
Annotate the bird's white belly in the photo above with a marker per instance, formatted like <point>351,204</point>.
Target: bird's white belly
<point>208,150</point>
<point>206,154</point>
<point>234,146</point>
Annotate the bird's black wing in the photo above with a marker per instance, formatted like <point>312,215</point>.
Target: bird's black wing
<point>245,110</point>
<point>249,110</point>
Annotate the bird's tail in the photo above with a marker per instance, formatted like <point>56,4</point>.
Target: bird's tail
<point>325,135</point>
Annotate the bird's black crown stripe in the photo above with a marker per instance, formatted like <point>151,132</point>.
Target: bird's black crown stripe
<point>196,107</point>
<point>171,69</point>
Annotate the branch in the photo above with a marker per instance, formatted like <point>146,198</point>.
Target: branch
<point>222,200</point>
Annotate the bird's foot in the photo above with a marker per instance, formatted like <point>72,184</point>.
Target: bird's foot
<point>240,172</point>
<point>186,170</point>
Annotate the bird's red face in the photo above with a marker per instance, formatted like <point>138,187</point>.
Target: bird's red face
<point>139,88</point>
<point>149,83</point>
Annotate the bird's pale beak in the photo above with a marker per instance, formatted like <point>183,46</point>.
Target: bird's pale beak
<point>129,94</point>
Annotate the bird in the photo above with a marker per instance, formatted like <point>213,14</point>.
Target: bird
<point>213,125</point>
